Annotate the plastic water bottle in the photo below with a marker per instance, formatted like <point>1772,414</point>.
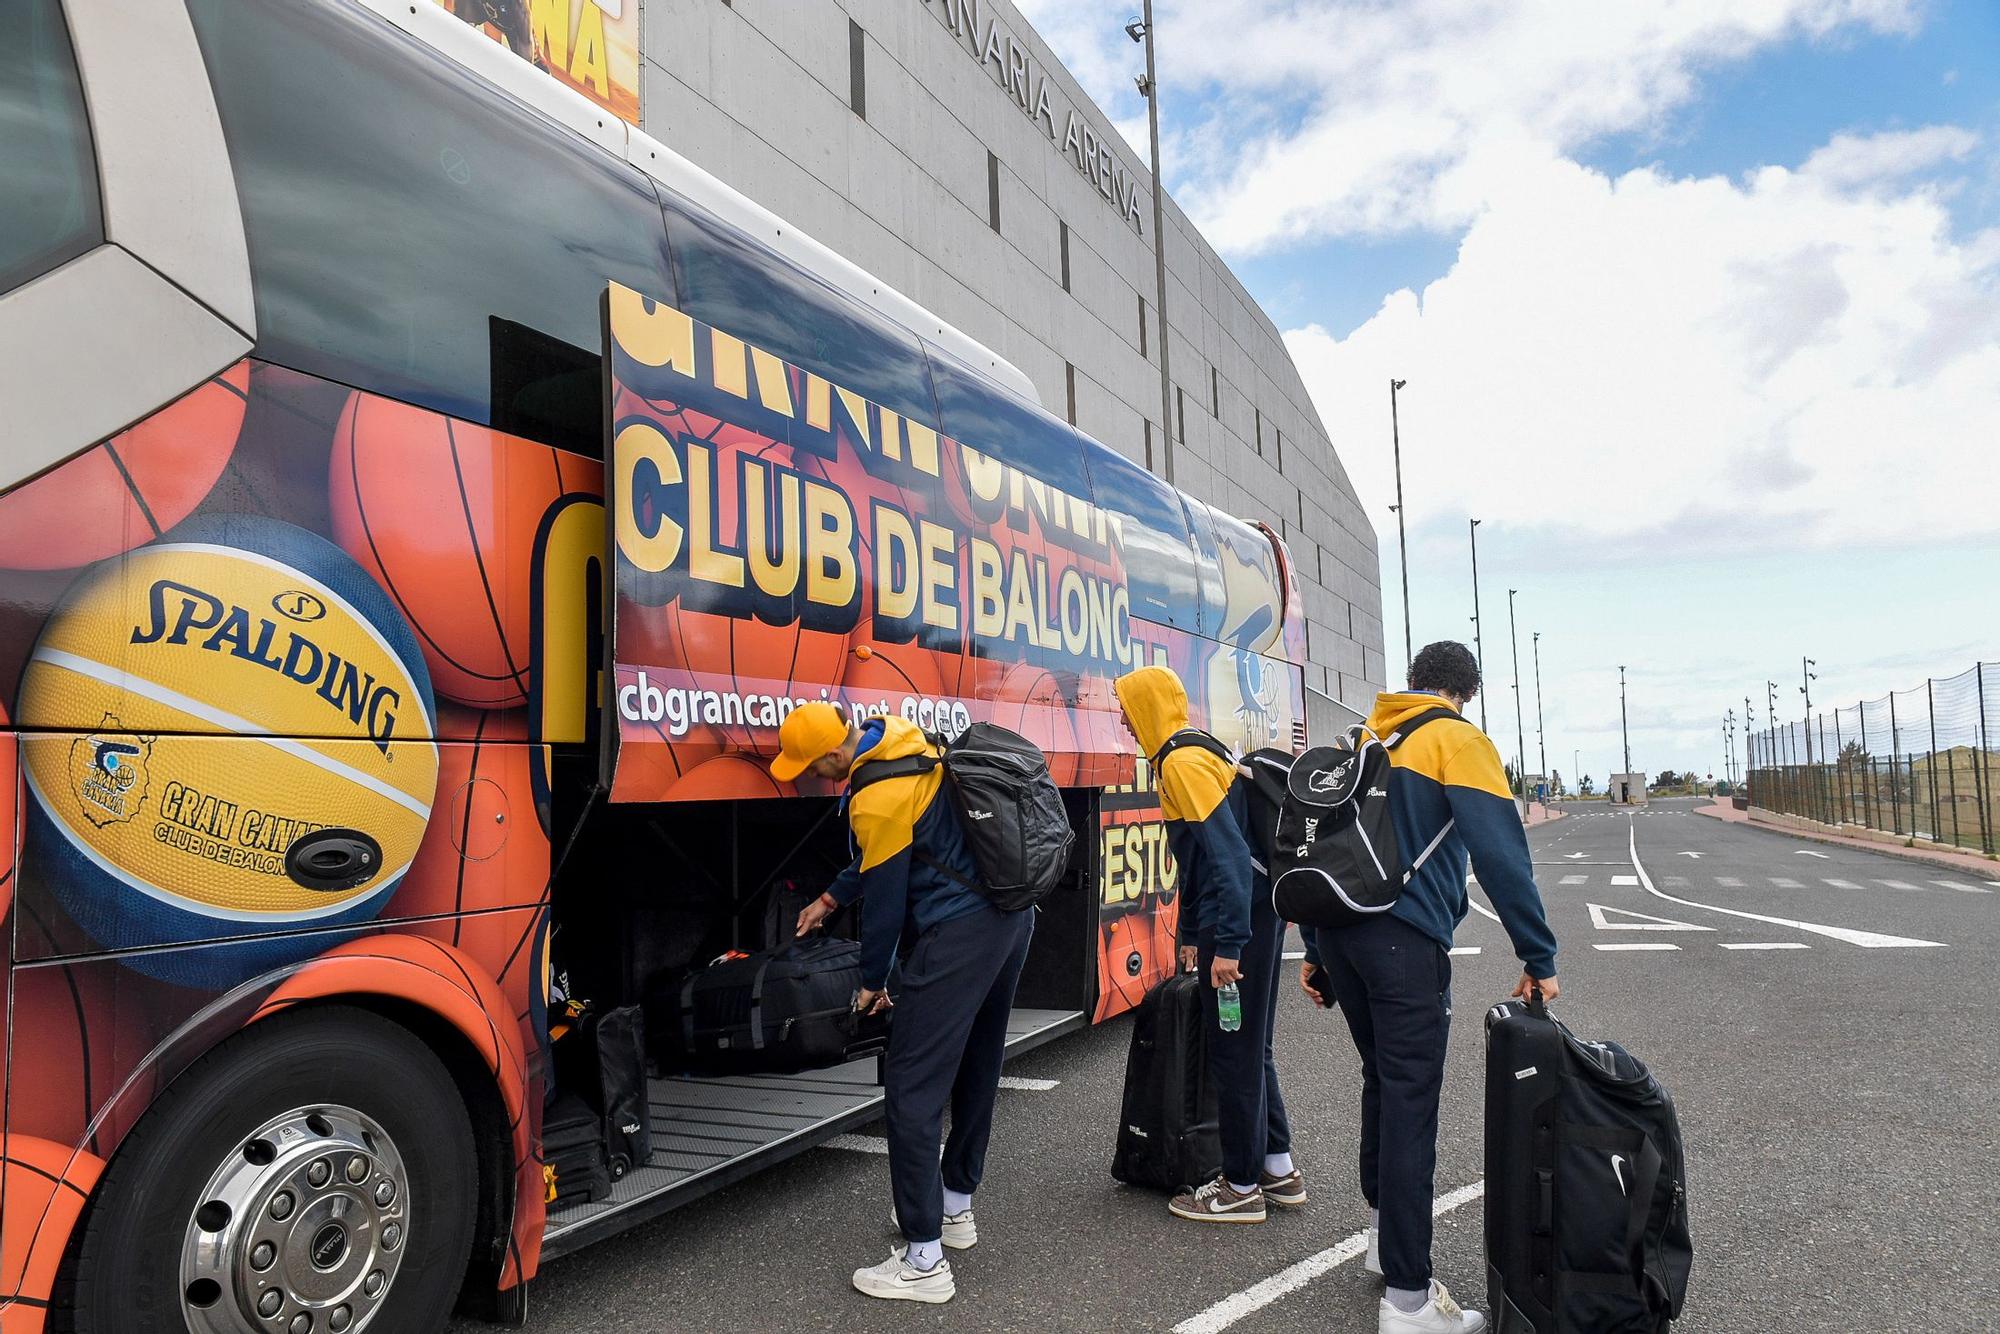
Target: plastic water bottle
<point>1229,1007</point>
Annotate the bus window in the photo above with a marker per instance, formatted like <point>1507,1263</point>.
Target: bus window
<point>52,213</point>
<point>1208,564</point>
<point>410,226</point>
<point>1159,568</point>
<point>976,412</point>
<point>733,282</point>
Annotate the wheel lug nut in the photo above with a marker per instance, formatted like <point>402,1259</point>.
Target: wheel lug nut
<point>392,1236</point>
<point>262,1254</point>
<point>372,1285</point>
<point>319,1174</point>
<point>340,1319</point>
<point>302,1323</point>
<point>281,1205</point>
<point>268,1304</point>
<point>385,1192</point>
<point>357,1169</point>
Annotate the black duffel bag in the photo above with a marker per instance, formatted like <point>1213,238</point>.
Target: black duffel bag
<point>777,1011</point>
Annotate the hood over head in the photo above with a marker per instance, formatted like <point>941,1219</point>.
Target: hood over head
<point>900,738</point>
<point>1155,703</point>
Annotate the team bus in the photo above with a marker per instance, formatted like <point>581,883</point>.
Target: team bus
<point>421,497</point>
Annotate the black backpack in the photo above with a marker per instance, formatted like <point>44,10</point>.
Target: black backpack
<point>1011,809</point>
<point>1337,861</point>
<point>1261,774</point>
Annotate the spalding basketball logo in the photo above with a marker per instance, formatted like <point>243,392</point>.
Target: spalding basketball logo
<point>299,605</point>
<point>108,774</point>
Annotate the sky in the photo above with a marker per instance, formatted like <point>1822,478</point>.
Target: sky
<point>1697,302</point>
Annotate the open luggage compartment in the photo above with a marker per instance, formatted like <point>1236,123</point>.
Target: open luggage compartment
<point>655,890</point>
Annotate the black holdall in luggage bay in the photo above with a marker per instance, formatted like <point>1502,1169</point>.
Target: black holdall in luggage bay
<point>1168,1135</point>
<point>1012,811</point>
<point>1337,861</point>
<point>779,1011</point>
<point>603,1060</point>
<point>1586,1187</point>
<point>573,1159</point>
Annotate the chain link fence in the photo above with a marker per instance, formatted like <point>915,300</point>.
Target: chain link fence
<point>1919,763</point>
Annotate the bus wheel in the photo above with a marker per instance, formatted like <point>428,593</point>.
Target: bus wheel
<point>313,1175</point>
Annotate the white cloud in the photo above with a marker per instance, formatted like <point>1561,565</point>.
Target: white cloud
<point>1799,358</point>
<point>1856,160</point>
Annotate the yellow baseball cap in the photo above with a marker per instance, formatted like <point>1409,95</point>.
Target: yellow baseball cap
<point>809,732</point>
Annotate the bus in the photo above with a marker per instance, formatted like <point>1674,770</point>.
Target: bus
<point>421,497</point>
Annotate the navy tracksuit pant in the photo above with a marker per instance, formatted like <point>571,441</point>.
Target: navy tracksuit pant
<point>1250,1112</point>
<point>1393,984</point>
<point>946,1045</point>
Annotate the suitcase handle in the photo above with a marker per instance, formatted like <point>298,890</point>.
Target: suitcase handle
<point>1538,1004</point>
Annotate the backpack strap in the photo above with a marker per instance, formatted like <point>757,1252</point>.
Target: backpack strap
<point>876,771</point>
<point>1402,734</point>
<point>1192,736</point>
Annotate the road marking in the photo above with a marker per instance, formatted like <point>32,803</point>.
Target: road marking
<point>1729,882</point>
<point>1641,922</point>
<point>1872,940</point>
<point>1290,1279</point>
<point>1841,884</point>
<point>858,1144</point>
<point>1026,1084</point>
<point>1803,852</point>
<point>1294,954</point>
<point>1783,883</point>
<point>1677,880</point>
<point>1769,945</point>
<point>1624,879</point>
<point>1695,855</point>
<point>1638,945</point>
<point>1898,884</point>
<point>1961,886</point>
<point>1575,880</point>
<point>1465,949</point>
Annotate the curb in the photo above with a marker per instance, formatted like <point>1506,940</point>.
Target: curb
<point>1977,864</point>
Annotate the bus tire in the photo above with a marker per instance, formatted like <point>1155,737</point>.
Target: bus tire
<point>319,1164</point>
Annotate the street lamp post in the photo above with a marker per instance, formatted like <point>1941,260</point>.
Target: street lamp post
<point>1623,734</point>
<point>1541,734</point>
<point>1478,645</point>
<point>1402,544</point>
<point>1142,31</point>
<point>1807,677</point>
<point>1520,732</point>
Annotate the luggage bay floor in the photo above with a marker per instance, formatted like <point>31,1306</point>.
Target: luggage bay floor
<point>709,1131</point>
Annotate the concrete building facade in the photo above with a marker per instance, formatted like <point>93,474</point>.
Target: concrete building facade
<point>941,145</point>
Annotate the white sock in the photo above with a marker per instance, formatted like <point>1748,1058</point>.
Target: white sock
<point>1243,1190</point>
<point>924,1255</point>
<point>955,1203</point>
<point>1375,1219</point>
<point>1278,1164</point>
<point>1408,1300</point>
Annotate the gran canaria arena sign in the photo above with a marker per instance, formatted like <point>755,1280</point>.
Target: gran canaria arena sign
<point>1023,78</point>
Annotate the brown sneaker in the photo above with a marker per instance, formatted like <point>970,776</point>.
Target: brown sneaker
<point>1287,1191</point>
<point>1217,1203</point>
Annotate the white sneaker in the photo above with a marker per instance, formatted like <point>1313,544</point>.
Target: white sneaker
<point>1439,1315</point>
<point>896,1279</point>
<point>1372,1262</point>
<point>960,1231</point>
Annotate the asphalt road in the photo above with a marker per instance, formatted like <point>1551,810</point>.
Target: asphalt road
<point>1838,1097</point>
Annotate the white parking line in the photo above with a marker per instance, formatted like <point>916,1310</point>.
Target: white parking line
<point>1638,945</point>
<point>1289,1280</point>
<point>1769,945</point>
<point>1029,1085</point>
<point>1866,939</point>
<point>858,1144</point>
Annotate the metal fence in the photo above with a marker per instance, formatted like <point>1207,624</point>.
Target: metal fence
<point>1920,763</point>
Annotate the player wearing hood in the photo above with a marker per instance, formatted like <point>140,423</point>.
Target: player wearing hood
<point>1229,931</point>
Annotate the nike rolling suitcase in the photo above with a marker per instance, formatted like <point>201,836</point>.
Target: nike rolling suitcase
<point>604,1061</point>
<point>778,1012</point>
<point>1168,1135</point>
<point>1586,1192</point>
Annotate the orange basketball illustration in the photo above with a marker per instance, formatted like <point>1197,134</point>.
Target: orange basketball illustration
<point>131,488</point>
<point>444,514</point>
<point>725,778</point>
<point>10,795</point>
<point>890,671</point>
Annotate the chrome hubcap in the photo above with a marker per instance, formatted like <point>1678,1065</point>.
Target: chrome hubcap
<point>300,1230</point>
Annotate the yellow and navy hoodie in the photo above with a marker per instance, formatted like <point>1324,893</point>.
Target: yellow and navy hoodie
<point>1206,815</point>
<point>908,847</point>
<point>1450,770</point>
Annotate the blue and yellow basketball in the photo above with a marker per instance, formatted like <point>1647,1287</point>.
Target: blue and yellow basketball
<point>197,707</point>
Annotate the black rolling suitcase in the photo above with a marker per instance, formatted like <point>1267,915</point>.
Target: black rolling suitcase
<point>1168,1136</point>
<point>573,1151</point>
<point>779,1011</point>
<point>1586,1191</point>
<point>604,1061</point>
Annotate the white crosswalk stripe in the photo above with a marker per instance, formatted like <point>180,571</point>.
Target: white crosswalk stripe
<point>1841,884</point>
<point>1961,886</point>
<point>1782,883</point>
<point>1898,884</point>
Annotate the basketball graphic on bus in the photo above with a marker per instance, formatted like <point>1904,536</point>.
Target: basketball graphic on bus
<point>131,488</point>
<point>726,777</point>
<point>444,515</point>
<point>10,782</point>
<point>224,692</point>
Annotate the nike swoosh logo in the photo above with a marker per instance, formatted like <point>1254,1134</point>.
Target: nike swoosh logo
<point>1618,1168</point>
